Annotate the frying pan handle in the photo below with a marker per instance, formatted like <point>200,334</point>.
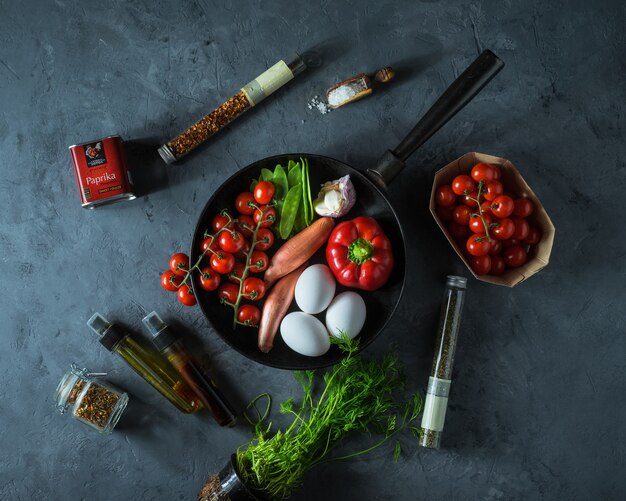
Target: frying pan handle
<point>457,95</point>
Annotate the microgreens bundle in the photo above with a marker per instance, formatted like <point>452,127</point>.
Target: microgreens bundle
<point>359,396</point>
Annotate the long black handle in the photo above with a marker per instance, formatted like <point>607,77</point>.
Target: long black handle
<point>462,91</point>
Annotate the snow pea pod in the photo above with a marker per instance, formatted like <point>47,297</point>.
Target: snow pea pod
<point>290,211</point>
<point>294,176</point>
<point>280,182</point>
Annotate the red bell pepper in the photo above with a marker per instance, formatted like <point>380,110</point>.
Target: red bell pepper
<point>359,254</point>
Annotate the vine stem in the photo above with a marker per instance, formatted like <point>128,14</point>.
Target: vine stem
<point>480,213</point>
<point>196,266</point>
<point>246,267</point>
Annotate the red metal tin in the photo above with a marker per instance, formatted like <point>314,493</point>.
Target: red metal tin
<point>102,172</point>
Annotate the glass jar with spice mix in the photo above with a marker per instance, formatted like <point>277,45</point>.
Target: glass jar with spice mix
<point>440,378</point>
<point>95,403</point>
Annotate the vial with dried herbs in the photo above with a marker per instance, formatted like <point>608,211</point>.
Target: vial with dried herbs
<point>90,400</point>
<point>440,379</point>
<point>247,97</point>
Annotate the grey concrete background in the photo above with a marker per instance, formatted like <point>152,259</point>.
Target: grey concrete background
<point>537,407</point>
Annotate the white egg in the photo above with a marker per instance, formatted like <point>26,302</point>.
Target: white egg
<point>305,334</point>
<point>346,314</point>
<point>315,289</point>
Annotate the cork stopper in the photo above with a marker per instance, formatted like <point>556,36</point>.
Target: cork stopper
<point>385,74</point>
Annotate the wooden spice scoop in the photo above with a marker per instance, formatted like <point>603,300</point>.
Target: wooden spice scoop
<point>357,87</point>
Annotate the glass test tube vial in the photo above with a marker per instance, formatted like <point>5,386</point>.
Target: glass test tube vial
<point>248,96</point>
<point>147,362</point>
<point>173,348</point>
<point>440,378</point>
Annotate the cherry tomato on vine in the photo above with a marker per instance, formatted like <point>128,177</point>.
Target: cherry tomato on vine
<point>503,206</point>
<point>179,264</point>
<point>521,228</point>
<point>461,214</point>
<point>222,262</point>
<point>496,247</point>
<point>504,229</point>
<point>253,288</point>
<point>486,207</point>
<point>249,315</point>
<point>186,295</point>
<point>470,200</point>
<point>258,261</point>
<point>264,239</point>
<point>497,265</point>
<point>463,183</point>
<point>210,242</point>
<point>458,230</point>
<point>480,264</point>
<point>509,243</point>
<point>524,207</point>
<point>493,189</point>
<point>534,236</point>
<point>219,221</point>
<point>209,279</point>
<point>231,241</point>
<point>264,192</point>
<point>478,245</point>
<point>245,225</point>
<point>444,196</point>
<point>244,203</point>
<point>236,273</point>
<point>228,293</point>
<point>445,213</point>
<point>514,256</point>
<point>497,172</point>
<point>243,252</point>
<point>476,223</point>
<point>483,172</point>
<point>170,281</point>
<point>269,216</point>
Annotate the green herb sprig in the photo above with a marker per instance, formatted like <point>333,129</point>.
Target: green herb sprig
<point>359,396</point>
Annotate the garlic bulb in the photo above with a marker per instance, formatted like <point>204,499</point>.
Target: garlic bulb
<point>335,198</point>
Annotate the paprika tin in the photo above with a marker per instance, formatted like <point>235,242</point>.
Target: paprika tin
<point>102,172</point>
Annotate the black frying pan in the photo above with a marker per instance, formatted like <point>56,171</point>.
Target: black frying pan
<point>371,201</point>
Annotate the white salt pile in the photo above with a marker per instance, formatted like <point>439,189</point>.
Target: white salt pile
<point>320,106</point>
<point>341,94</point>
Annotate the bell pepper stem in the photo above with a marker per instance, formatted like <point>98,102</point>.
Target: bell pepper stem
<point>360,251</point>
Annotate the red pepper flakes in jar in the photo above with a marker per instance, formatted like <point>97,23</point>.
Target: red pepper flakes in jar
<point>102,172</point>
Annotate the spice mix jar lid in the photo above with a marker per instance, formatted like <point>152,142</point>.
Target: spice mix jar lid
<point>456,281</point>
<point>63,395</point>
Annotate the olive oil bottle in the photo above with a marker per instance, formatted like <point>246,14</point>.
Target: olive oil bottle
<point>147,362</point>
<point>172,347</point>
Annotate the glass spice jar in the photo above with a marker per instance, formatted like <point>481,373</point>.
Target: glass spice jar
<point>246,98</point>
<point>97,404</point>
<point>440,379</point>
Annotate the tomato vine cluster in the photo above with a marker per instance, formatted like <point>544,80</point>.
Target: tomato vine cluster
<point>490,224</point>
<point>235,248</point>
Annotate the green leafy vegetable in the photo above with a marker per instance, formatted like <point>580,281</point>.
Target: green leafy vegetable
<point>266,175</point>
<point>357,396</point>
<point>289,211</point>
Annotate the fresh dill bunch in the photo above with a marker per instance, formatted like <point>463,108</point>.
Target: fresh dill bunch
<point>358,396</point>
